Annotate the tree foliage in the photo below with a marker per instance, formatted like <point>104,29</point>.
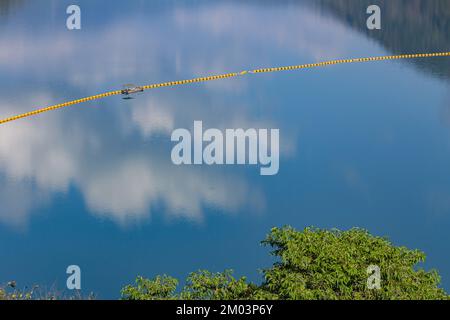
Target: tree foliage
<point>159,288</point>
<point>311,264</point>
<point>332,264</point>
<point>200,285</point>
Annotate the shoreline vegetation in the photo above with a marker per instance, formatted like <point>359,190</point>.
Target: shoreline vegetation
<point>312,264</point>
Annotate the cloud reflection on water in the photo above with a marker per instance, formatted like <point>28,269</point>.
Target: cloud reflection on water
<point>119,174</point>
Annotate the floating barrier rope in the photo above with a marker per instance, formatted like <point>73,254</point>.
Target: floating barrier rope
<point>221,76</point>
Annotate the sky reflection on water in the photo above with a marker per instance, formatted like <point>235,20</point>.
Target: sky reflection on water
<point>361,145</point>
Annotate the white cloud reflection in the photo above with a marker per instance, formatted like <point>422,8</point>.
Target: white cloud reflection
<point>46,155</point>
<point>119,175</point>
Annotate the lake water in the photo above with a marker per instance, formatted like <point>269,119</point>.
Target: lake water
<point>361,145</point>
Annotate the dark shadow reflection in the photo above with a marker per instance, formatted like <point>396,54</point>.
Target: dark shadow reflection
<point>408,26</point>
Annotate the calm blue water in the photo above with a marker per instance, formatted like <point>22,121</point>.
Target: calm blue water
<point>363,145</point>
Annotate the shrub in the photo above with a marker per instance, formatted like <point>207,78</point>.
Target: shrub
<point>311,264</point>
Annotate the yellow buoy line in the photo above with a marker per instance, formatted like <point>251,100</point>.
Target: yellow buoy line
<point>220,76</point>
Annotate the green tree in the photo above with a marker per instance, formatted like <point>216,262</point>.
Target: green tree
<point>332,264</point>
<point>200,285</point>
<point>159,288</point>
<point>217,286</point>
<point>311,264</point>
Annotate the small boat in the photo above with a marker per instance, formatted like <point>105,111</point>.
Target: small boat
<point>129,89</point>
